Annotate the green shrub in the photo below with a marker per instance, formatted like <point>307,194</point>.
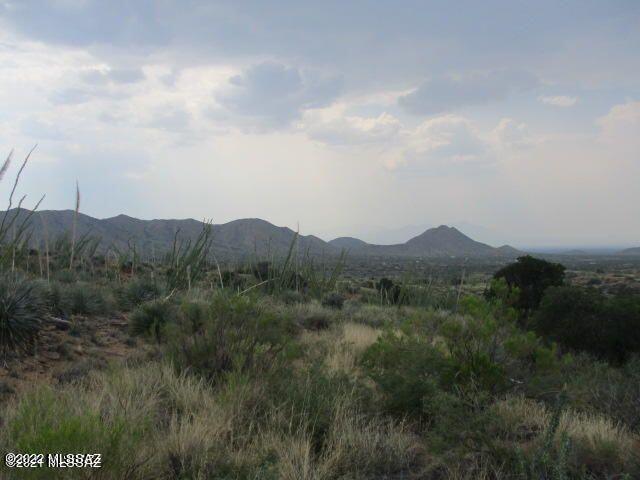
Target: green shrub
<point>389,291</point>
<point>65,276</point>
<point>309,396</point>
<point>193,315</point>
<point>585,320</point>
<point>408,370</point>
<point>137,291</point>
<point>22,310</point>
<point>263,271</point>
<point>309,315</point>
<point>233,333</point>
<point>481,352</point>
<point>234,280</point>
<point>291,297</point>
<point>333,300</point>
<point>417,380</point>
<point>55,298</point>
<point>531,277</point>
<point>79,299</point>
<point>487,349</point>
<point>151,318</point>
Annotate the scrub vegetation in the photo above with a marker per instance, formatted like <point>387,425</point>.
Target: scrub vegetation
<point>283,368</point>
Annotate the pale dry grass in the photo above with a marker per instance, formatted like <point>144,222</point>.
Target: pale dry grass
<point>373,315</point>
<point>187,446</point>
<point>193,428</point>
<point>601,443</point>
<point>295,456</point>
<point>358,446</point>
<point>522,413</point>
<point>593,431</point>
<point>349,342</point>
<point>597,439</point>
<point>339,347</point>
<point>473,469</point>
<point>153,388</point>
<point>317,345</point>
<point>312,315</point>
<point>360,336</point>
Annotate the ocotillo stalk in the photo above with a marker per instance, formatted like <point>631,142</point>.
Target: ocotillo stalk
<point>3,170</point>
<point>45,232</point>
<point>460,289</point>
<point>74,226</point>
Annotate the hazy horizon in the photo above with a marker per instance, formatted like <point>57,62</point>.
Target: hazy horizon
<point>365,119</point>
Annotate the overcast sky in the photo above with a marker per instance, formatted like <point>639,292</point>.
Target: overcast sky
<point>520,117</point>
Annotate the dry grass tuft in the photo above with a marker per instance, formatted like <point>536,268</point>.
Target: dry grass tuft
<point>599,443</point>
<point>349,342</point>
<point>360,336</point>
<point>295,456</point>
<point>361,446</point>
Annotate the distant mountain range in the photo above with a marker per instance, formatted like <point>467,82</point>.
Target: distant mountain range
<point>635,251</point>
<point>442,241</point>
<point>233,239</point>
<point>251,235</point>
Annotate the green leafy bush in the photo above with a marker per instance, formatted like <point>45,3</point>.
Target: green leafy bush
<point>585,320</point>
<point>488,348</point>
<point>408,370</point>
<point>531,277</point>
<point>232,333</point>
<point>193,315</point>
<point>480,352</point>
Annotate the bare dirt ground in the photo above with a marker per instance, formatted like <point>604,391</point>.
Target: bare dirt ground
<point>64,354</point>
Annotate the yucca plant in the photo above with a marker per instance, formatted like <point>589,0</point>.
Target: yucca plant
<point>22,310</point>
<point>83,298</point>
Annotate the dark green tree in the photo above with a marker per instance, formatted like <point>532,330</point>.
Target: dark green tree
<point>584,319</point>
<point>531,276</point>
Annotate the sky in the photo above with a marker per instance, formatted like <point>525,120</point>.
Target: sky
<point>514,118</point>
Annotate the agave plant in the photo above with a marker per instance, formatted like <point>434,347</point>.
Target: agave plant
<point>21,312</point>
